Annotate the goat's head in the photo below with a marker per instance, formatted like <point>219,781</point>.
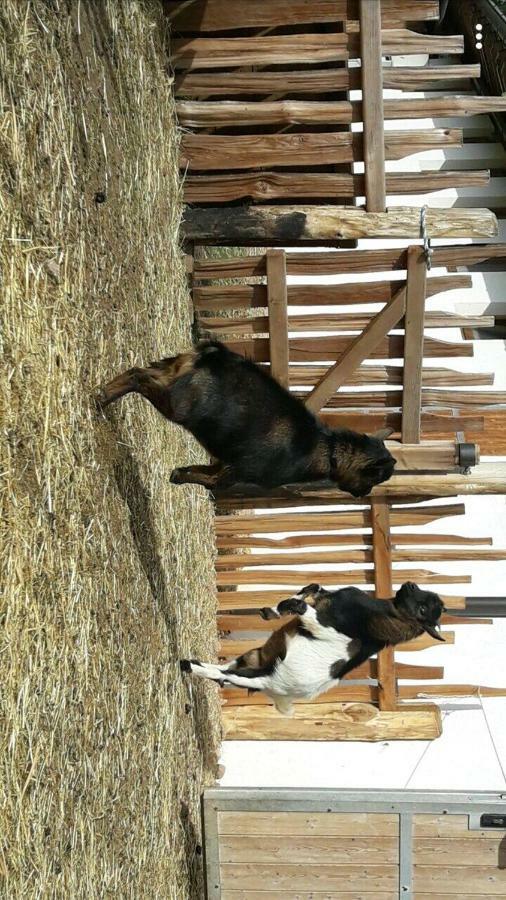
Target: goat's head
<point>425,607</point>
<point>361,461</point>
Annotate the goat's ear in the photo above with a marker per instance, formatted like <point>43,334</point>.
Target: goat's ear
<point>382,434</point>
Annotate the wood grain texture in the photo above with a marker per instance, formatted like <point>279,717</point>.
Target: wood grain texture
<point>327,539</point>
<point>358,350</point>
<point>316,521</point>
<point>229,113</point>
<point>413,345</point>
<point>266,50</point>
<point>485,881</point>
<point>331,721</point>
<point>348,262</point>
<point>226,152</point>
<point>383,587</point>
<point>223,15</point>
<point>278,315</point>
<point>328,348</point>
<point>353,824</point>
<point>278,185</point>
<point>342,322</point>
<point>371,108</point>
<point>309,849</point>
<point>292,578</point>
<point>253,599</point>
<point>305,376</point>
<point>265,224</point>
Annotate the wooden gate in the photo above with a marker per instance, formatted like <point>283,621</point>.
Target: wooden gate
<point>387,845</point>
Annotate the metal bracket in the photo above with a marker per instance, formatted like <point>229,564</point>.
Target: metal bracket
<point>427,249</point>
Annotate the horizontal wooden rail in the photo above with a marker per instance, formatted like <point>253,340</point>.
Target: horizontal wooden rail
<point>267,596</point>
<point>328,348</point>
<point>338,322</point>
<point>226,152</point>
<point>348,262</point>
<point>414,555</point>
<point>278,185</point>
<point>294,577</point>
<point>430,398</point>
<point>324,539</point>
<point>305,376</point>
<point>232,648</point>
<point>223,15</point>
<point>215,297</point>
<point>436,424</point>
<point>318,81</point>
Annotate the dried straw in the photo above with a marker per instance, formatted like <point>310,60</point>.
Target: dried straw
<point>107,569</point>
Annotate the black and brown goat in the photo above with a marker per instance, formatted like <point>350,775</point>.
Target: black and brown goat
<point>330,636</point>
<point>257,431</point>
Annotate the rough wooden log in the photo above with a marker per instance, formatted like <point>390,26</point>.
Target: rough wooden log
<point>226,152</point>
<point>251,296</point>
<point>436,107</point>
<point>228,15</point>
<point>318,81</point>
<point>325,539</point>
<point>228,113</point>
<point>293,577</point>
<point>343,322</point>
<point>281,224</point>
<point>316,557</point>
<point>413,345</point>
<point>348,262</point>
<point>332,722</point>
<point>277,185</point>
<point>434,425</point>
<point>429,398</point>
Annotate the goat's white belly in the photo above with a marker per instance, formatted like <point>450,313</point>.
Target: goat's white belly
<point>305,670</point>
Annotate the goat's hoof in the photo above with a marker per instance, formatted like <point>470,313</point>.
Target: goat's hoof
<point>185,665</point>
<point>177,476</point>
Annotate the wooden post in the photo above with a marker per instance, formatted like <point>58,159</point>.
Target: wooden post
<point>382,555</point>
<point>413,345</point>
<point>278,315</point>
<point>372,104</point>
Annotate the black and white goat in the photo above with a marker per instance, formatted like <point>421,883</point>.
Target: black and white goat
<point>332,633</point>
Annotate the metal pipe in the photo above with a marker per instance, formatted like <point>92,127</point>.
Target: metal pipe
<point>493,607</point>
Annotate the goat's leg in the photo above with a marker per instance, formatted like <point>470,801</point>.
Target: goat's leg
<point>215,673</point>
<point>211,476</point>
<point>339,669</point>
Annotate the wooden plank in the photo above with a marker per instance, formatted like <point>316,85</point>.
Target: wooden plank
<point>327,348</point>
<point>292,578</point>
<point>326,539</point>
<point>349,262</point>
<point>354,824</point>
<point>229,113</point>
<point>265,50</point>
<point>430,825</point>
<point>433,426</point>
<point>413,345</point>
<point>449,690</point>
<point>270,224</point>
<point>332,722</point>
<point>226,152</point>
<point>343,322</point>
<point>430,398</point>
<point>486,881</point>
<point>278,315</point>
<point>318,81</point>
<point>250,296</point>
<point>414,555</point>
<point>493,440</point>
<point>278,185</point>
<point>383,577</point>
<point>248,894</point>
<point>358,350</point>
<point>309,849</point>
<point>372,105</point>
<point>301,49</point>
<point>461,851</point>
<point>217,15</point>
<point>436,107</point>
<point>316,521</point>
<point>306,376</point>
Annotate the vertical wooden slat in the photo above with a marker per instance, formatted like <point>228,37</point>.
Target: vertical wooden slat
<point>382,555</point>
<point>278,315</point>
<point>372,104</point>
<point>413,345</point>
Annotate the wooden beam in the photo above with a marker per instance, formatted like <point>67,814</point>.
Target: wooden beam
<point>304,542</point>
<point>435,426</point>
<point>435,107</point>
<point>358,350</point>
<point>303,185</point>
<point>215,297</point>
<point>372,105</point>
<point>233,600</point>
<point>306,376</point>
<point>294,577</point>
<point>342,322</point>
<point>227,113</point>
<point>318,81</point>
<point>226,152</point>
<point>349,262</point>
<point>383,577</point>
<point>316,521</point>
<point>282,224</point>
<point>413,345</point>
<point>229,15</point>
<point>331,722</point>
<point>278,315</point>
<point>327,348</point>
